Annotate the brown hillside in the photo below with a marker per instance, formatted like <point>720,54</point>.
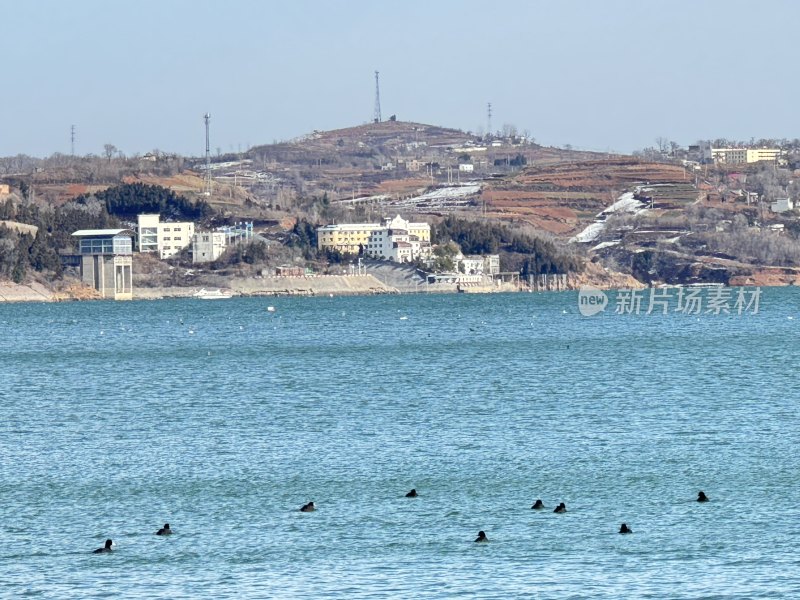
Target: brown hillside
<point>562,197</point>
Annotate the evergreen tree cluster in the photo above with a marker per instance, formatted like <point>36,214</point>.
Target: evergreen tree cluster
<point>128,200</point>
<point>304,236</point>
<point>21,252</point>
<point>519,251</point>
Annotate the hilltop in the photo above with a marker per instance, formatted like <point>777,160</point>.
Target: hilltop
<point>652,218</point>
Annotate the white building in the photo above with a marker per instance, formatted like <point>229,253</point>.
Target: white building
<point>395,239</point>
<point>735,156</point>
<point>208,246</point>
<point>166,239</point>
<point>491,264</point>
<point>478,265</point>
<point>782,205</point>
<point>466,167</point>
<point>399,240</point>
<point>470,265</point>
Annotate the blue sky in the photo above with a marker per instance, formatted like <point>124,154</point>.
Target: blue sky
<point>610,75</point>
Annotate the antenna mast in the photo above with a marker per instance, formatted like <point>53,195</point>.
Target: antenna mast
<point>72,139</point>
<point>377,99</point>
<point>207,190</point>
<point>489,119</point>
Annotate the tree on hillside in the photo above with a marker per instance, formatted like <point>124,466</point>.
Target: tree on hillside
<point>109,150</point>
<point>303,236</point>
<point>533,255</point>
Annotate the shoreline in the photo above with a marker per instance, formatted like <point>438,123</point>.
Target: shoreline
<point>72,290</point>
<point>321,286</point>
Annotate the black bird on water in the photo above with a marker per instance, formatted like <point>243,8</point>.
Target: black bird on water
<point>538,505</point>
<point>481,537</point>
<point>625,529</point>
<point>701,497</point>
<point>412,494</point>
<point>106,548</point>
<point>165,530</point>
<point>561,508</point>
<point>308,507</point>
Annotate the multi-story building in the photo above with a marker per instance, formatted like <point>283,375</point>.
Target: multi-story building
<point>208,246</point>
<point>759,154</point>
<point>394,239</point>
<point>351,238</point>
<point>737,156</point>
<point>477,264</point>
<point>166,239</point>
<point>729,156</point>
<point>491,264</point>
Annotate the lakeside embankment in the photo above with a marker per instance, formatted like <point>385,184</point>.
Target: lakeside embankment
<point>322,285</point>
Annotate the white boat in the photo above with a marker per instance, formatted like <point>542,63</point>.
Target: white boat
<point>205,294</point>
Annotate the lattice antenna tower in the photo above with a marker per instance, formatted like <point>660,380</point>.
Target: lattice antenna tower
<point>207,190</point>
<point>72,139</point>
<point>489,119</point>
<point>377,99</point>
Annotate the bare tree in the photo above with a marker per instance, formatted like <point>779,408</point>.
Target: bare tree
<point>109,150</point>
<point>509,130</point>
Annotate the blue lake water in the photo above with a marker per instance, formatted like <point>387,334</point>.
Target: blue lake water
<point>223,419</point>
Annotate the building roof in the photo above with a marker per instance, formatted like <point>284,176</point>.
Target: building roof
<point>102,232</point>
<point>350,227</point>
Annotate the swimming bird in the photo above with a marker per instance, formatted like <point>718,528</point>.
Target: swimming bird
<point>165,530</point>
<point>106,548</point>
<point>308,507</point>
<point>625,529</point>
<point>481,537</point>
<point>538,505</point>
<point>561,508</point>
<point>701,497</point>
<point>412,494</point>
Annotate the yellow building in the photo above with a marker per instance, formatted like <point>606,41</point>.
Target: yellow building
<point>347,239</point>
<point>757,154</point>
<point>352,238</point>
<point>737,156</point>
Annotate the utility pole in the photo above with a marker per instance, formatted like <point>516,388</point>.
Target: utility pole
<point>377,116</point>
<point>207,190</point>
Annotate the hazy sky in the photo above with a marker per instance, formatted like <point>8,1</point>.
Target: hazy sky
<point>595,74</point>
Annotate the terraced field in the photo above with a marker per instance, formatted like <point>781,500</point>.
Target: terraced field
<point>563,197</point>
